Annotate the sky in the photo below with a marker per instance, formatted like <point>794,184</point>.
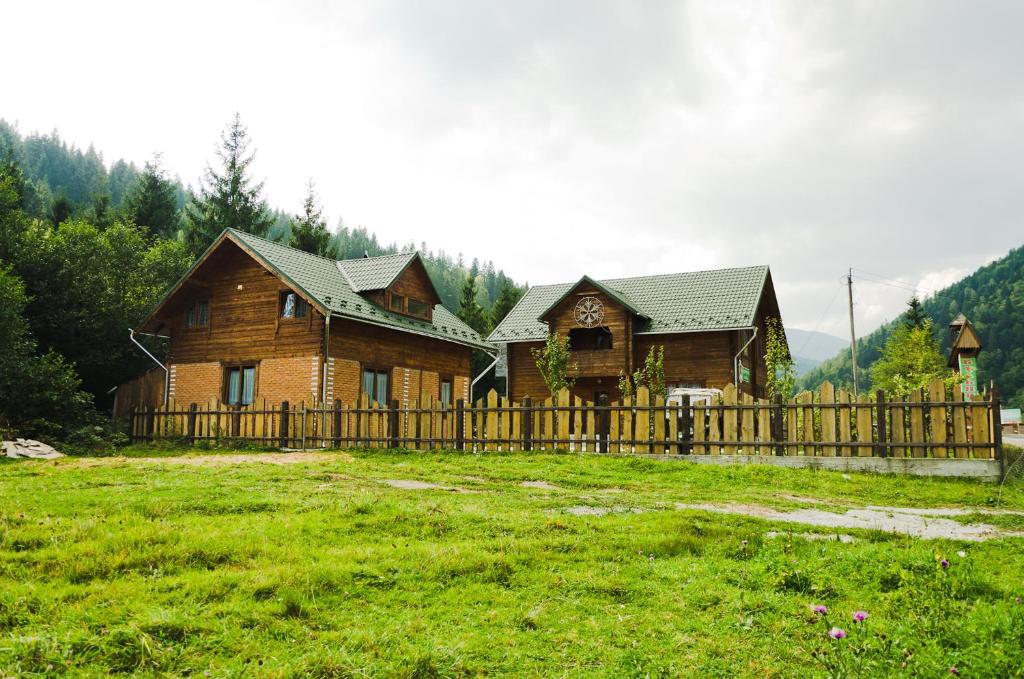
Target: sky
<point>563,138</point>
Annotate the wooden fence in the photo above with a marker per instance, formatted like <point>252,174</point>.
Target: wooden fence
<point>934,423</point>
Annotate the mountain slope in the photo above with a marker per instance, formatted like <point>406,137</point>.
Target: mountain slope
<point>811,348</point>
<point>992,298</point>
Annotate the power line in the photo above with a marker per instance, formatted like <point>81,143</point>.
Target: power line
<point>892,282</point>
<point>822,318</point>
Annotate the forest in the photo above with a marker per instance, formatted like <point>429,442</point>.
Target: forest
<point>992,298</point>
<point>87,248</point>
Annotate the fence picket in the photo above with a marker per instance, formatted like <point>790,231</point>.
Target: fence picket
<point>627,425</point>
<point>714,427</point>
<point>897,428</point>
<point>589,440</point>
<point>982,430</point>
<point>864,434</point>
<point>673,428</point>
<point>642,427</point>
<point>807,422</point>
<point>843,397</point>
<point>917,422</point>
<point>792,429</point>
<point>959,421</point>
<point>577,424</point>
<point>747,425</point>
<point>937,394</point>
<point>699,425</point>
<point>614,430</point>
<point>827,399</point>
<point>729,419</point>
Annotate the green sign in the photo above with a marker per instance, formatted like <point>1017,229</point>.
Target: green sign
<point>969,371</point>
<point>744,373</point>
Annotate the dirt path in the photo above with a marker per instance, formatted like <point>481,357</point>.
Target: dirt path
<point>217,460</point>
<point>921,523</point>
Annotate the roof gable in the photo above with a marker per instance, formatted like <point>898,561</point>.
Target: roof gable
<point>610,292</point>
<point>375,273</point>
<point>323,283</point>
<point>696,301</point>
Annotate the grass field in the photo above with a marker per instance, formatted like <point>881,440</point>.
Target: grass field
<point>222,566</point>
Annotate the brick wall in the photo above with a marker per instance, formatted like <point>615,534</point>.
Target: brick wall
<point>347,376</point>
<point>289,379</point>
<point>195,382</point>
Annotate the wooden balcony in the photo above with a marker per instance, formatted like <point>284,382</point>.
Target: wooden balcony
<point>597,363</point>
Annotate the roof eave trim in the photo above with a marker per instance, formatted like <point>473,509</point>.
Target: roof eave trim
<point>645,332</point>
<point>611,292</point>
<point>484,346</point>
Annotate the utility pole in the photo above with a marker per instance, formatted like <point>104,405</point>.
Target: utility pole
<point>853,333</point>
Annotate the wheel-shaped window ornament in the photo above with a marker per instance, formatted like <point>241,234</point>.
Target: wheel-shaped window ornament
<point>589,312</point>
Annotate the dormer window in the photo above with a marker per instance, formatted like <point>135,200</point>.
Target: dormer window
<point>418,308</point>
<point>397,303</point>
<point>293,306</point>
<point>198,314</point>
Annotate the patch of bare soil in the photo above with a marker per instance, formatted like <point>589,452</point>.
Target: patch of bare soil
<point>587,510</point>
<point>889,519</point>
<point>223,460</point>
<point>827,537</point>
<point>543,485</point>
<point>413,484</point>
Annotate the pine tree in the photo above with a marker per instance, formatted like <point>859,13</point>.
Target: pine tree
<point>228,198</point>
<point>915,314</point>
<point>309,229</point>
<point>153,201</point>
<point>508,296</point>
<point>469,309</point>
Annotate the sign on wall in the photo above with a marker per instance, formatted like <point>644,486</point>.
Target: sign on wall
<point>969,371</point>
<point>744,373</point>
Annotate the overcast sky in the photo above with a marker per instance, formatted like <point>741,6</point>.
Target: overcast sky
<point>562,138</point>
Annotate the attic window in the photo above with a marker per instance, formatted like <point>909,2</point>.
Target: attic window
<point>198,314</point>
<point>293,306</point>
<point>397,303</point>
<point>418,308</point>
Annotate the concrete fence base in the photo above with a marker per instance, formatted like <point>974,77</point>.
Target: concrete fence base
<point>984,470</point>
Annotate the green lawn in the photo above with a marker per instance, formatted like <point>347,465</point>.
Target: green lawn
<point>321,568</point>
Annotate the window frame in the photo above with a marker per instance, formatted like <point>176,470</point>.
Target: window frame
<point>300,305</point>
<point>450,381</point>
<point>192,314</point>
<point>410,312</point>
<point>227,369</point>
<point>392,297</point>
<point>377,371</point>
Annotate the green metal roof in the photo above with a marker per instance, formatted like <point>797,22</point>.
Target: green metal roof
<point>324,281</point>
<point>721,299</point>
<point>375,273</point>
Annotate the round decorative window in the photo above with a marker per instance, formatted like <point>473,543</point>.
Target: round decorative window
<point>589,312</point>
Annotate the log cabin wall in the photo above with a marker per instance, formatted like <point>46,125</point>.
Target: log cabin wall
<point>602,362</point>
<point>700,358</point>
<point>414,363</point>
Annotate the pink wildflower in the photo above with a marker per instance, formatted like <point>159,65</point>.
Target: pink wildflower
<point>860,616</point>
<point>837,633</point>
<point>820,610</point>
<point>944,563</point>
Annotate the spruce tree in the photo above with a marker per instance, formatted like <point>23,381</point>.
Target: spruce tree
<point>153,201</point>
<point>508,296</point>
<point>228,198</point>
<point>309,229</point>
<point>915,314</point>
<point>469,309</point>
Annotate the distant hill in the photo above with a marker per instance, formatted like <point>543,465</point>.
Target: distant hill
<point>811,348</point>
<point>992,298</point>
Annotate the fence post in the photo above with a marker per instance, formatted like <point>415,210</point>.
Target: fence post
<point>997,432</point>
<point>602,423</point>
<point>460,424</point>
<point>882,445</point>
<point>191,433</point>
<point>283,429</point>
<point>393,424</point>
<point>150,421</point>
<point>303,427</point>
<point>686,445</point>
<point>777,433</point>
<point>527,420</point>
<point>336,429</point>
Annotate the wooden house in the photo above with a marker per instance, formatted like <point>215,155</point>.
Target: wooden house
<point>712,325</point>
<point>256,318</point>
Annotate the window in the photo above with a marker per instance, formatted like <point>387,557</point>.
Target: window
<point>418,308</point>
<point>240,385</point>
<point>590,339</point>
<point>375,385</point>
<point>198,314</point>
<point>397,303</point>
<point>293,306</point>
<point>446,392</point>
